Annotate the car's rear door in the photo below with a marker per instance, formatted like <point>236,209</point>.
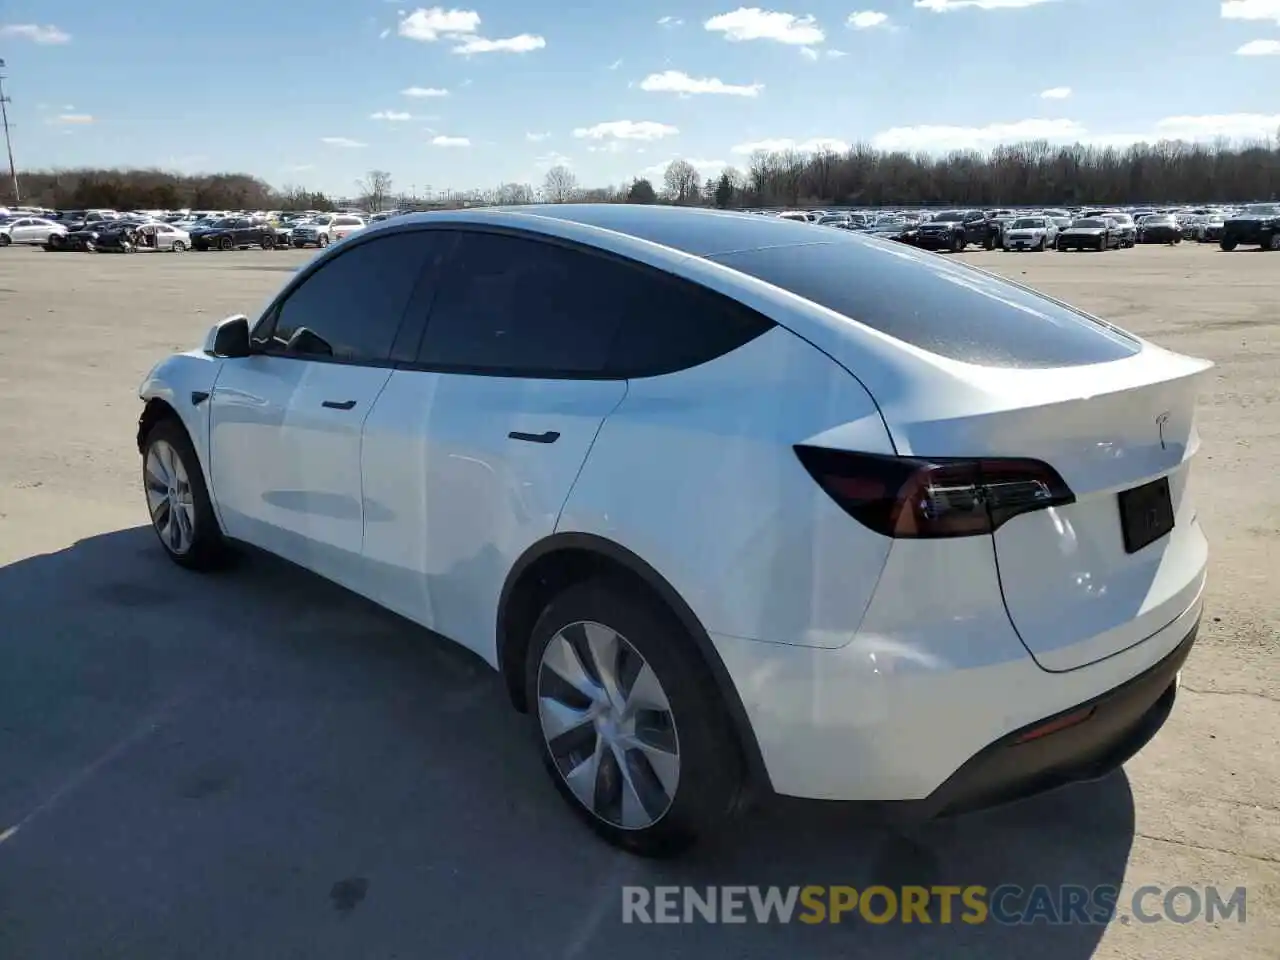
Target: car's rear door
<point>285,423</point>
<point>476,448</point>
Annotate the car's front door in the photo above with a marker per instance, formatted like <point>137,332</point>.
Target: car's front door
<point>285,422</point>
<point>476,450</point>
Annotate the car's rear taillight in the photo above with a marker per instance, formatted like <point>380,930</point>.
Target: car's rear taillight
<point>922,497</point>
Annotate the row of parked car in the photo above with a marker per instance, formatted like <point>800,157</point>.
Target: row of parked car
<point>1060,229</point>
<point>112,231</point>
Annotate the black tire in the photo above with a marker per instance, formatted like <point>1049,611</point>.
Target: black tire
<point>957,243</point>
<point>711,775</point>
<point>268,241</point>
<point>1042,246</point>
<point>322,241</point>
<point>224,243</point>
<point>56,241</point>
<point>990,242</point>
<point>208,549</point>
<point>178,247</point>
<point>1227,245</point>
<point>1271,242</point>
<point>5,239</point>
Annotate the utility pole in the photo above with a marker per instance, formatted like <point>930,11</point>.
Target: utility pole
<point>8,142</point>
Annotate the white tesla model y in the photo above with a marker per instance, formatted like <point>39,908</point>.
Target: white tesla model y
<point>734,506</point>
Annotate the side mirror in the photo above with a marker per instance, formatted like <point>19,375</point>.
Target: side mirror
<point>230,337</point>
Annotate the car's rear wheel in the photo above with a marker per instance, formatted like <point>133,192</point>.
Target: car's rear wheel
<point>268,241</point>
<point>633,732</point>
<point>177,499</point>
<point>1272,242</point>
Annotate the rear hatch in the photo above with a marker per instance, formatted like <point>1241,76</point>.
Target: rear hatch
<point>965,364</point>
<point>1088,579</point>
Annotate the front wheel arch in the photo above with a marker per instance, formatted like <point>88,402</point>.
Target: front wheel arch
<point>558,562</point>
<point>155,411</point>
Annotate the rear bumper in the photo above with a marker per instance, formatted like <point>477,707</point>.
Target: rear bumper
<point>1085,742</point>
<point>920,714</point>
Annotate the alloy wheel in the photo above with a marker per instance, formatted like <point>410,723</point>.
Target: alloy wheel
<point>169,497</point>
<point>608,725</point>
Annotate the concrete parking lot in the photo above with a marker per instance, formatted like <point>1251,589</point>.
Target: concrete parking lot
<point>260,765</point>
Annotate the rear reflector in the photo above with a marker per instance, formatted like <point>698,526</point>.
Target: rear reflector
<point>1053,726</point>
<point>913,497</point>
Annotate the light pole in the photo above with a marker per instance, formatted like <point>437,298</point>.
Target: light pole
<point>8,142</point>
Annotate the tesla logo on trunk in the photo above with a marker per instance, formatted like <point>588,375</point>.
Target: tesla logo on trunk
<point>1160,424</point>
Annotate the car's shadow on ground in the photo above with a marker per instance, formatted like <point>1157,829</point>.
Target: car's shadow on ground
<point>259,764</point>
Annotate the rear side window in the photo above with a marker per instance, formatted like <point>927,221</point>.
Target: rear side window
<point>351,307</point>
<point>517,306</point>
<point>935,304</point>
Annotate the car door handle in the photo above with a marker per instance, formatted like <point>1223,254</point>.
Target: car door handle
<point>339,404</point>
<point>551,436</point>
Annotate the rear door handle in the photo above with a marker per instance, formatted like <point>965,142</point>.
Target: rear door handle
<point>551,436</point>
<point>339,404</point>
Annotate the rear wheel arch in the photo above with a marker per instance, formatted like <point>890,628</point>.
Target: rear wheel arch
<point>562,560</point>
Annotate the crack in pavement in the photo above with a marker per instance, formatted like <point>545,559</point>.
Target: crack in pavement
<point>1233,693</point>
<point>1209,849</point>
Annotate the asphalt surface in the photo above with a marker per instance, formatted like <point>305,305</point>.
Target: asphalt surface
<point>261,765</point>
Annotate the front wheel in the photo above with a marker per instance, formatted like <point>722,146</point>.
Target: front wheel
<point>177,499</point>
<point>1227,245</point>
<point>632,729</point>
<point>322,241</point>
<point>5,239</point>
<point>178,246</point>
<point>225,243</point>
<point>1272,242</point>
<point>268,241</point>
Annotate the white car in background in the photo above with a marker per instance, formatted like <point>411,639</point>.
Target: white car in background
<point>34,230</point>
<point>621,453</point>
<point>158,235</point>
<point>1031,233</point>
<point>325,229</point>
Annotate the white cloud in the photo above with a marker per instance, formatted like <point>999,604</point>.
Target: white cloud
<point>1055,93</point>
<point>537,137</point>
<point>1206,128</point>
<point>1251,10</point>
<point>1260,48</point>
<point>616,64</point>
<point>1243,126</point>
<point>421,92</point>
<point>384,34</point>
<point>343,142</point>
<point>670,22</point>
<point>35,33</point>
<point>942,6</point>
<point>626,130</point>
<point>778,144</point>
<point>752,23</point>
<point>429,25</point>
<point>552,159</point>
<point>394,116</point>
<point>941,137</point>
<point>676,81</point>
<point>443,141</point>
<point>300,167</point>
<point>866,19</point>
<point>836,54</point>
<point>521,43</point>
<point>72,119</point>
<point>809,53</point>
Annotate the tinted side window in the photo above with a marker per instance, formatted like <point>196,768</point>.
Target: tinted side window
<point>573,313</point>
<point>935,304</point>
<point>520,306</point>
<point>351,307</point>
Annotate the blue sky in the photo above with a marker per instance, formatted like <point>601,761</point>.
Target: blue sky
<point>317,92</point>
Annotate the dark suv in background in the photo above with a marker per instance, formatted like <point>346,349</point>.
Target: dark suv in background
<point>955,229</point>
<point>1258,223</point>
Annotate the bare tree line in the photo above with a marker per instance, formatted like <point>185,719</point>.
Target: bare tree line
<point>1019,174</point>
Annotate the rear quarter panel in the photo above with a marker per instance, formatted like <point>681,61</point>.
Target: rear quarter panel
<point>695,473</point>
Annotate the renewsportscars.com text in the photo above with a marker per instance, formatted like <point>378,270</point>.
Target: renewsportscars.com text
<point>972,904</point>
